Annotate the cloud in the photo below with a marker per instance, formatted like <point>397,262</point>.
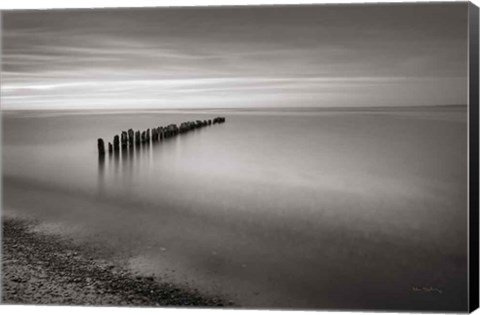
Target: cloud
<point>231,57</point>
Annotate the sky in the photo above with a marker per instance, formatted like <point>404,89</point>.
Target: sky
<point>220,57</point>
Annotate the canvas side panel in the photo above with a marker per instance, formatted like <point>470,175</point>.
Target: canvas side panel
<point>474,138</point>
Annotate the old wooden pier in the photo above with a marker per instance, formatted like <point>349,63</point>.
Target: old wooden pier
<point>132,138</point>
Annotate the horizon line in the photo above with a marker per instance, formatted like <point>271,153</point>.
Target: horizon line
<point>236,108</point>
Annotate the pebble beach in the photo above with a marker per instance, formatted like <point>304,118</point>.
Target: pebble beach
<point>46,269</point>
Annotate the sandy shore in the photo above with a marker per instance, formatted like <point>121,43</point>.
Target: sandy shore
<point>45,269</point>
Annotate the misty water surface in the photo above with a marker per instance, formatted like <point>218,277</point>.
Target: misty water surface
<point>324,209</point>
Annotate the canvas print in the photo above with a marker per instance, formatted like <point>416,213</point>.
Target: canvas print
<point>263,157</point>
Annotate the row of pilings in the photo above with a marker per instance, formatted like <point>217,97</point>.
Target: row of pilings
<point>136,138</point>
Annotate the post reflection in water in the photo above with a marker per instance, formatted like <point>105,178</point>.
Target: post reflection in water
<point>122,163</point>
<point>116,160</point>
<point>124,155</point>
<point>130,159</point>
<point>101,164</point>
<point>101,173</point>
<point>138,151</point>
<point>138,147</point>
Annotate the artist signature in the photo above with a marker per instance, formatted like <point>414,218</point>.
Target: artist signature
<point>427,290</point>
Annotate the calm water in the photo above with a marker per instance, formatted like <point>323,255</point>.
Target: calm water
<point>302,209</point>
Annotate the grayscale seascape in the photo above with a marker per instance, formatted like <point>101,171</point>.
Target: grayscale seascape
<point>338,180</point>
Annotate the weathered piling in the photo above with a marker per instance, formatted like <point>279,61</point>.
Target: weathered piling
<point>185,126</point>
<point>101,146</point>
<point>124,139</point>
<point>137,137</point>
<point>131,136</point>
<point>218,120</point>
<point>116,143</point>
<point>154,135</point>
<point>172,130</point>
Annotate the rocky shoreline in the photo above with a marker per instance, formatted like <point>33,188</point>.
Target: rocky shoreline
<point>45,269</point>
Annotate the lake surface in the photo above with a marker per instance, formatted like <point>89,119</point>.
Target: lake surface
<point>280,209</point>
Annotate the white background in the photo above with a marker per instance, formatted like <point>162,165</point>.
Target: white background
<point>46,4</point>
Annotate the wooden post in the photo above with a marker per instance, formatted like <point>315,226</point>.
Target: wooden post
<point>124,139</point>
<point>154,135</point>
<point>101,146</point>
<point>116,143</point>
<point>131,136</point>
<point>137,137</point>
